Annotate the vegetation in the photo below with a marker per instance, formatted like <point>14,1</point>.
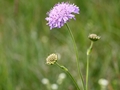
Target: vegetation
<point>26,41</point>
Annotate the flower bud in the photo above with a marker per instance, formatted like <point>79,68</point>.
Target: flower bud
<point>93,37</point>
<point>51,59</point>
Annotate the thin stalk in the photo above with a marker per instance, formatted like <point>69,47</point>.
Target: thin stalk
<point>87,69</point>
<point>66,70</point>
<point>76,52</point>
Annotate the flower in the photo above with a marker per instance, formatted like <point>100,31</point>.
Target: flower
<point>45,81</point>
<point>54,86</point>
<point>103,84</point>
<point>51,59</point>
<point>93,37</point>
<point>60,14</point>
<point>61,77</point>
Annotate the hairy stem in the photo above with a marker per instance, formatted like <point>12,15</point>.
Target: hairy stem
<point>76,52</point>
<point>87,68</point>
<point>66,70</point>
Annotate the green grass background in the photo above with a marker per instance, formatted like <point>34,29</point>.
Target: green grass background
<point>26,41</point>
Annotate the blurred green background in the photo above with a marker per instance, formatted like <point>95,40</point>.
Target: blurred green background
<point>26,41</point>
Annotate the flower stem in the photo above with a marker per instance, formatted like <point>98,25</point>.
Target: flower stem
<point>66,70</point>
<point>76,51</point>
<point>87,69</point>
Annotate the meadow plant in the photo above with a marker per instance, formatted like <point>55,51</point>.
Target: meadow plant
<point>58,16</point>
<point>61,77</point>
<point>103,83</point>
<point>54,86</point>
<point>46,82</point>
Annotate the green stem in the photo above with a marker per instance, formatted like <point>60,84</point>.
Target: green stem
<point>76,51</point>
<point>66,70</point>
<point>87,69</point>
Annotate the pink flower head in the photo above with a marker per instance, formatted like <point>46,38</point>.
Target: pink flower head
<point>60,14</point>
